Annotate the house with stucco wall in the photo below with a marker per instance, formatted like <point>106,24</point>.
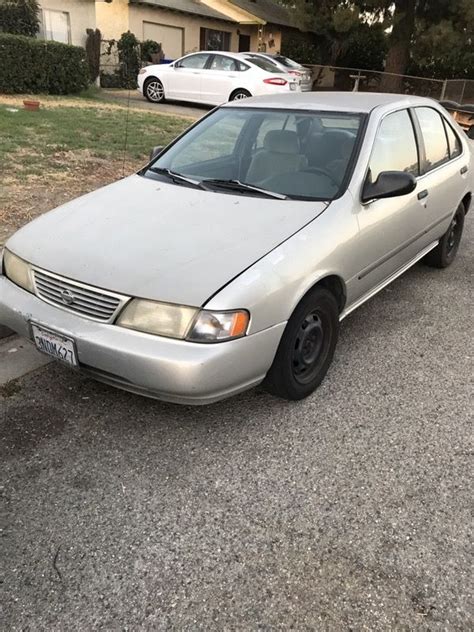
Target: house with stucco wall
<point>181,26</point>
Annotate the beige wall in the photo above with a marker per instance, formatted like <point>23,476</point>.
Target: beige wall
<point>112,18</point>
<point>191,25</point>
<point>81,16</point>
<point>119,16</point>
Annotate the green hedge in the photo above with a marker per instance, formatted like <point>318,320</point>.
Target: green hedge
<point>29,65</point>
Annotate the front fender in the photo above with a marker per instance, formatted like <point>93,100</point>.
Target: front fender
<point>274,285</point>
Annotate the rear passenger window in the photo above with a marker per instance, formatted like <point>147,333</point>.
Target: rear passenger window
<point>395,146</point>
<point>223,63</point>
<point>434,137</point>
<point>455,148</point>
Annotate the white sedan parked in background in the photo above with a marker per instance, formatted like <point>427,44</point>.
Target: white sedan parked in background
<point>213,77</point>
<point>287,65</point>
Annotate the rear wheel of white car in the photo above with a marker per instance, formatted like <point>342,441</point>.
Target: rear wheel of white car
<point>445,252</point>
<point>153,90</point>
<point>306,348</point>
<point>239,94</point>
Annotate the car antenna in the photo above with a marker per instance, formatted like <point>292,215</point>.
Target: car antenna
<point>126,134</point>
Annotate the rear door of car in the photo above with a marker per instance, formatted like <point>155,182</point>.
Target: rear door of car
<point>390,228</point>
<point>185,78</point>
<point>442,182</point>
<point>220,78</point>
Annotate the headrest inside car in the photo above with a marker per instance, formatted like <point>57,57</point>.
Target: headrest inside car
<point>282,141</point>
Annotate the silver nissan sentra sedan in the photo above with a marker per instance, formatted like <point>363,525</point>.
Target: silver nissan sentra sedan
<point>231,258</point>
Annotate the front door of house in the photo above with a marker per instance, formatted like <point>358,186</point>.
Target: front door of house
<point>244,43</point>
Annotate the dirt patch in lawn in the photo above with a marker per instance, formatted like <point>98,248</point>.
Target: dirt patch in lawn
<point>21,200</point>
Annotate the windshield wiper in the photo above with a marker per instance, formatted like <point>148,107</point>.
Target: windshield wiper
<point>177,178</point>
<point>237,185</point>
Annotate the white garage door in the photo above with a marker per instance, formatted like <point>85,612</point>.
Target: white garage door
<point>170,37</point>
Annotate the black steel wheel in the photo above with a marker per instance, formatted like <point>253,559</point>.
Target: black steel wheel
<point>306,348</point>
<point>445,252</point>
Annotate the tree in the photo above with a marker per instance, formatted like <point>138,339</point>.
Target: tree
<point>445,49</point>
<point>413,25</point>
<point>19,17</point>
<point>366,48</point>
<point>332,23</point>
<point>93,41</point>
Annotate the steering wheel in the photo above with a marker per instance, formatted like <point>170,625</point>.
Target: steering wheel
<point>324,173</point>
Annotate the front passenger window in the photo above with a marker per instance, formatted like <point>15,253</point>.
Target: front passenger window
<point>395,146</point>
<point>194,61</point>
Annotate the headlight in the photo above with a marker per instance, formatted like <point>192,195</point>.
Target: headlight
<point>18,271</point>
<point>142,71</point>
<point>182,322</point>
<point>162,319</point>
<point>218,326</point>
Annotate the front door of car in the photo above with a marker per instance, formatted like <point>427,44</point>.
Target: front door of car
<point>218,80</point>
<point>185,78</point>
<point>389,228</point>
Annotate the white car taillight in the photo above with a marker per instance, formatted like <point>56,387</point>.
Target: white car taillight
<point>276,81</point>
<point>296,73</point>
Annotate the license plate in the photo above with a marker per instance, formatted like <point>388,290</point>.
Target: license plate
<point>55,345</point>
<point>292,86</point>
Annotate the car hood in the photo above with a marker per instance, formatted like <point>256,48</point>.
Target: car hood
<point>152,239</point>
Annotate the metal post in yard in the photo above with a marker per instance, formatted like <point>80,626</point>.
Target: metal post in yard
<point>443,90</point>
<point>357,78</point>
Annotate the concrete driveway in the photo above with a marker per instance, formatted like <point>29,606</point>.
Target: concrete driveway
<point>348,511</point>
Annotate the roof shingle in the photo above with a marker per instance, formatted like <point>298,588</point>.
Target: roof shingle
<point>186,6</point>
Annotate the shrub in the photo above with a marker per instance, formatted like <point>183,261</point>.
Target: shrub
<point>129,58</point>
<point>19,17</point>
<point>93,52</point>
<point>31,65</point>
<point>151,52</point>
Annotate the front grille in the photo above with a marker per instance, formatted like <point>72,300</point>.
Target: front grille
<point>76,297</point>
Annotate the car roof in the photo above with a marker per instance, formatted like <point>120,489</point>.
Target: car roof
<point>332,101</point>
<point>226,53</point>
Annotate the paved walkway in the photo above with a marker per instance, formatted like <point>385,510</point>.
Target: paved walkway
<point>193,110</point>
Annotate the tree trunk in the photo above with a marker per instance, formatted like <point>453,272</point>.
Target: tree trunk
<point>399,45</point>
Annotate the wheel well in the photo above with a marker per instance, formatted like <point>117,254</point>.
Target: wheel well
<point>336,286</point>
<point>238,90</point>
<point>467,199</point>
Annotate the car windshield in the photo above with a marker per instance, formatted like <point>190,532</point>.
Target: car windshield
<point>257,151</point>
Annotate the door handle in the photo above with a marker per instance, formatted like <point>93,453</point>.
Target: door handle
<point>464,170</point>
<point>422,194</point>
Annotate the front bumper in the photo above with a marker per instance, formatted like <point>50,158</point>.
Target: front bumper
<point>167,369</point>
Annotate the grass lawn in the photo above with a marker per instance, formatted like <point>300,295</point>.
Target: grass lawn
<point>69,147</point>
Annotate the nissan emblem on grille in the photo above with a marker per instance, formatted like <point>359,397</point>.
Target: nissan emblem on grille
<point>67,297</point>
<point>83,299</point>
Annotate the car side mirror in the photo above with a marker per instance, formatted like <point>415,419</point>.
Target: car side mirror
<point>155,151</point>
<point>388,184</point>
<point>470,132</point>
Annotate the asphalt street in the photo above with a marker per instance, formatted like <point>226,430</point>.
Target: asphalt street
<point>351,510</point>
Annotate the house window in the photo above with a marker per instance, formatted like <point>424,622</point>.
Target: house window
<point>56,26</point>
<point>214,40</point>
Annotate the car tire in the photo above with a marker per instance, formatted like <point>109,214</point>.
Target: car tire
<point>306,348</point>
<point>445,252</point>
<point>239,94</point>
<point>153,90</point>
